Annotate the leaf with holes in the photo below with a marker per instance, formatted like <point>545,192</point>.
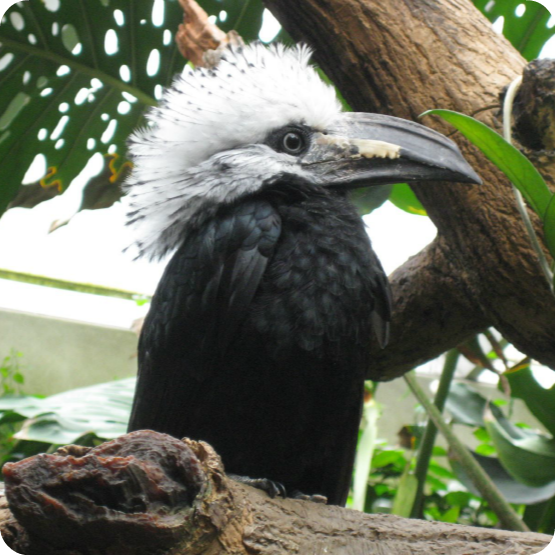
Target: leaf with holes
<point>76,76</point>
<point>526,24</point>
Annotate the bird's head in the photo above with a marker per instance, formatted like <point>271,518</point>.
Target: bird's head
<point>263,116</point>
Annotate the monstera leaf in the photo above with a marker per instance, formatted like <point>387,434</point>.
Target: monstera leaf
<point>526,23</point>
<point>77,75</point>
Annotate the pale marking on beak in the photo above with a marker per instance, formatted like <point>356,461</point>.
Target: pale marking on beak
<point>365,148</point>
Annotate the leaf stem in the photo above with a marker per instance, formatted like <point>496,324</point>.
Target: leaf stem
<point>507,515</point>
<point>70,285</point>
<point>430,433</point>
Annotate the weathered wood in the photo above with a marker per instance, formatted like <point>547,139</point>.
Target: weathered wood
<point>148,493</point>
<point>403,57</point>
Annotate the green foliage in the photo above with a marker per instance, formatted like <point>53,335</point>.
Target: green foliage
<point>521,172</point>
<point>403,197</point>
<point>527,32</point>
<point>102,410</point>
<point>391,489</point>
<point>30,425</point>
<point>11,377</point>
<point>68,94</point>
<point>526,455</point>
<point>518,459</point>
<point>506,157</point>
<point>540,401</point>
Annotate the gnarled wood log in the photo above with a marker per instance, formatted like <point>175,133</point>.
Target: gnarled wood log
<point>150,494</point>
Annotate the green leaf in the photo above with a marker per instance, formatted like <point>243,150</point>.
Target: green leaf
<point>406,494</point>
<point>506,157</point>
<point>512,490</point>
<point>369,198</point>
<point>528,32</point>
<point>467,406</point>
<point>540,517</point>
<point>102,410</point>
<point>528,457</point>
<point>64,92</point>
<point>540,401</point>
<point>387,457</point>
<point>403,197</point>
<point>450,515</point>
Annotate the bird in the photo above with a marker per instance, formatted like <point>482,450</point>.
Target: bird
<point>259,334</point>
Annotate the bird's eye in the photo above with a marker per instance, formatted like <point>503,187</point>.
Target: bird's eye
<point>293,142</point>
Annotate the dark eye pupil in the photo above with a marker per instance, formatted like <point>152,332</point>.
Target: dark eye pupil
<point>293,142</point>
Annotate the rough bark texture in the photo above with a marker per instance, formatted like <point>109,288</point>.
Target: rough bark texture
<point>148,493</point>
<point>403,57</point>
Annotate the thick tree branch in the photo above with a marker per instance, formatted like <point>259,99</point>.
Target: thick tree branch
<point>403,57</point>
<point>147,493</point>
<point>432,311</point>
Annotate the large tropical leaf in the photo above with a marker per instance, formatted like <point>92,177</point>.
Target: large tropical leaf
<point>527,31</point>
<point>539,400</point>
<point>102,410</point>
<point>467,406</point>
<point>513,491</point>
<point>528,456</point>
<point>76,76</point>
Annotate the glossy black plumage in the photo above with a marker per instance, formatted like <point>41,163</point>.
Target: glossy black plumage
<point>258,336</point>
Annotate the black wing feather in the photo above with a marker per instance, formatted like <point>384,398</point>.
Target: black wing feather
<point>201,301</point>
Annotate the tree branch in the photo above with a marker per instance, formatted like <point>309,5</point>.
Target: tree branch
<point>403,57</point>
<point>433,310</point>
<point>148,493</point>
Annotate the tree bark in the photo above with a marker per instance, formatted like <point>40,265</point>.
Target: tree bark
<point>402,57</point>
<point>150,494</point>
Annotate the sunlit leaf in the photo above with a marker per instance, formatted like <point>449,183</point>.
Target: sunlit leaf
<point>506,157</point>
<point>403,197</point>
<point>76,77</point>
<point>527,30</point>
<point>63,88</point>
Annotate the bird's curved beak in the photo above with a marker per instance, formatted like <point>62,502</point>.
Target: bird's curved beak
<point>362,149</point>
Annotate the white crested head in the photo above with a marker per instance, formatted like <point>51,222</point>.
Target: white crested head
<point>203,144</point>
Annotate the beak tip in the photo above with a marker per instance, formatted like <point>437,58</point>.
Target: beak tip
<point>471,176</point>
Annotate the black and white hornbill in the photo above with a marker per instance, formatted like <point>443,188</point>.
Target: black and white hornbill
<point>258,336</point>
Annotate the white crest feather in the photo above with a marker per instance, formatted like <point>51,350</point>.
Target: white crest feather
<point>252,91</point>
